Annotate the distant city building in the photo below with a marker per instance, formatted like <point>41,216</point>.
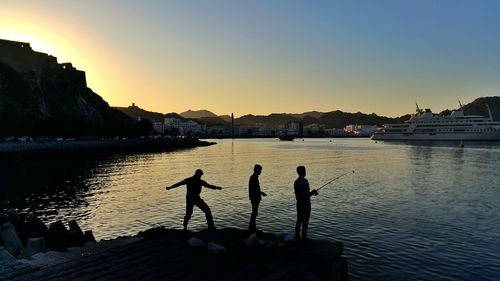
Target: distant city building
<point>259,129</point>
<point>171,122</point>
<point>335,132</point>
<point>219,131</point>
<point>190,128</point>
<point>360,130</point>
<point>183,128</point>
<point>158,127</point>
<point>314,129</point>
<point>293,128</point>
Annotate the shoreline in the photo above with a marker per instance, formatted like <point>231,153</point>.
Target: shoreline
<point>160,254</point>
<point>277,137</point>
<point>103,146</point>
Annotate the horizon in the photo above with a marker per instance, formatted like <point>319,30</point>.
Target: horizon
<point>296,113</point>
<point>272,57</point>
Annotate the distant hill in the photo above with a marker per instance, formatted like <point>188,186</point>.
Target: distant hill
<point>314,114</point>
<point>273,119</point>
<point>478,107</point>
<point>40,97</point>
<point>226,118</point>
<point>195,114</point>
<point>135,112</point>
<point>175,115</point>
<point>334,119</point>
<point>339,119</point>
<point>210,121</point>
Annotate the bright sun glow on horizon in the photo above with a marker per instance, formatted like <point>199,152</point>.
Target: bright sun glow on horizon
<point>260,57</point>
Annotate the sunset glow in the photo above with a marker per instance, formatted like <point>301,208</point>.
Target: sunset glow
<point>265,57</point>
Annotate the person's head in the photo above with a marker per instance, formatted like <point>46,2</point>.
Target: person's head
<point>198,173</point>
<point>257,169</point>
<point>301,171</point>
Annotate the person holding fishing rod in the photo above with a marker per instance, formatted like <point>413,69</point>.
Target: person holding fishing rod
<point>193,186</point>
<point>303,196</point>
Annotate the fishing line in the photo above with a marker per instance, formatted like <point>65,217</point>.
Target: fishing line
<point>334,179</point>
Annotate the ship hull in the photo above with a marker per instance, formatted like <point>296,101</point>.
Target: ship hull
<point>472,136</point>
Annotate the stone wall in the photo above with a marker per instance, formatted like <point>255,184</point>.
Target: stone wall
<point>21,57</point>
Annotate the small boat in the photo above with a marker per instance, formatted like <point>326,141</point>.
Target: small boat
<point>286,138</point>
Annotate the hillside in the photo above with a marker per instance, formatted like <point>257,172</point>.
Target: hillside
<point>478,107</point>
<point>38,97</point>
<point>135,112</point>
<point>314,114</point>
<point>273,119</point>
<point>195,114</point>
<point>334,119</point>
<point>339,119</point>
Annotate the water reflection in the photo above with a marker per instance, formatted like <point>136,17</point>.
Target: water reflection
<point>43,183</point>
<point>418,211</point>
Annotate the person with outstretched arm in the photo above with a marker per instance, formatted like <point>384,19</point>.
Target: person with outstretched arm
<point>193,186</point>
<point>255,196</point>
<point>303,197</point>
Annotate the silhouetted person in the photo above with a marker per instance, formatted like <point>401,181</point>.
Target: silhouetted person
<point>303,196</point>
<point>193,185</point>
<point>255,196</point>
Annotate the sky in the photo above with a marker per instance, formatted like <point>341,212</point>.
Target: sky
<point>268,56</point>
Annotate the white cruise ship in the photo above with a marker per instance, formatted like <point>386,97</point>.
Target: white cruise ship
<point>424,125</point>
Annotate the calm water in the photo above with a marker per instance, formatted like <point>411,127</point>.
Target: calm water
<point>410,212</point>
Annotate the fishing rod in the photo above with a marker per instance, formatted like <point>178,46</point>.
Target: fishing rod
<point>150,224</point>
<point>336,178</point>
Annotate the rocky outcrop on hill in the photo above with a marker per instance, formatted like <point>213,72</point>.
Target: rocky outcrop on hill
<point>136,112</point>
<point>38,96</point>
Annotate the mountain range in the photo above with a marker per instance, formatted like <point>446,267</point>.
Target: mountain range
<point>333,119</point>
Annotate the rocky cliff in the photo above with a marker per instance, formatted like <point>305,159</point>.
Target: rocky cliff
<point>38,97</point>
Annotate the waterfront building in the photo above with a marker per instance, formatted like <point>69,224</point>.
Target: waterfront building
<point>183,128</point>
<point>190,128</point>
<point>219,131</point>
<point>293,128</point>
<point>334,132</point>
<point>314,129</point>
<point>360,130</point>
<point>158,127</point>
<point>171,122</point>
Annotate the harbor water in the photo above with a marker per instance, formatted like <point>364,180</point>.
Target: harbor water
<point>409,212</point>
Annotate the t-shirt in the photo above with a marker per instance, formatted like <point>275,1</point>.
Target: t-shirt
<point>254,188</point>
<point>301,188</point>
<point>193,186</point>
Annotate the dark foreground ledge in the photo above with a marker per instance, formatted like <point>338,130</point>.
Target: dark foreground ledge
<point>103,146</point>
<point>161,254</point>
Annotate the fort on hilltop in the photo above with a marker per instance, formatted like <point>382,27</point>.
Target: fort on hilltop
<point>21,57</point>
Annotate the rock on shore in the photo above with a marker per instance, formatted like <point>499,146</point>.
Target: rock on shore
<point>161,254</point>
